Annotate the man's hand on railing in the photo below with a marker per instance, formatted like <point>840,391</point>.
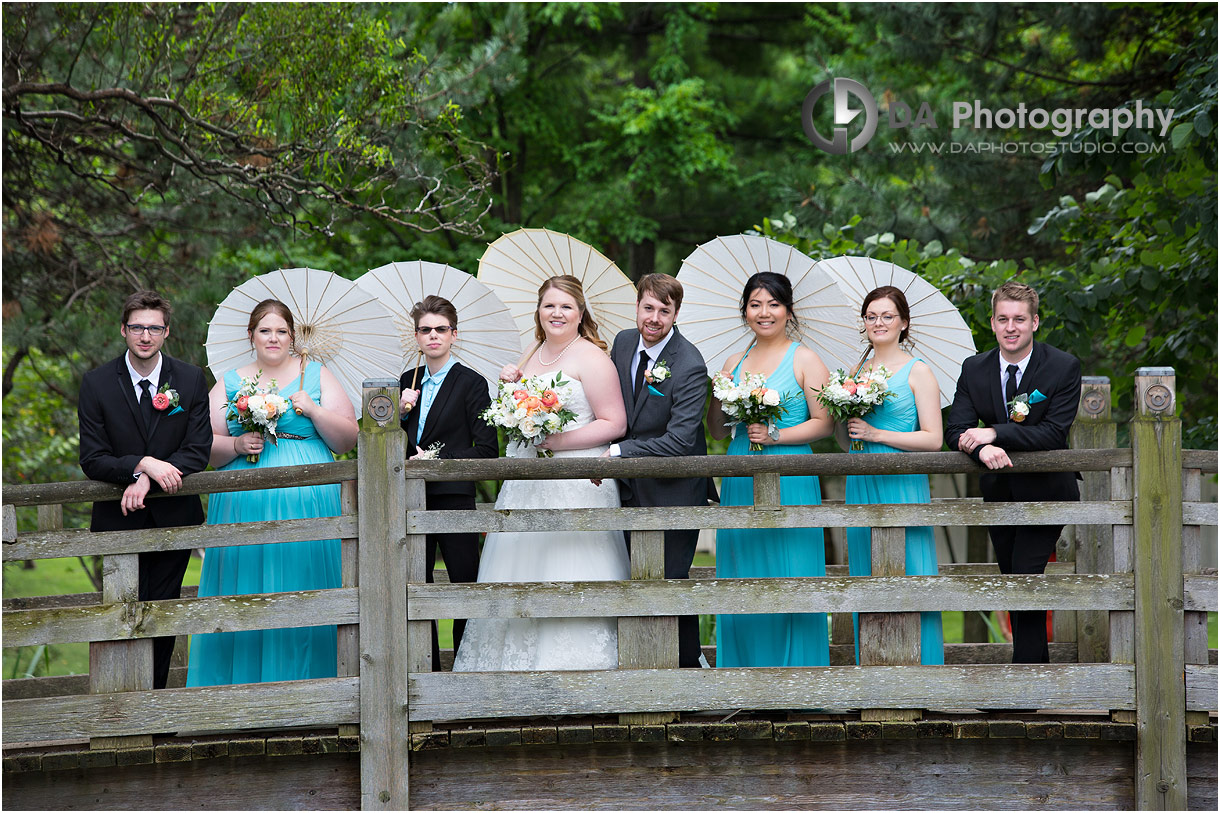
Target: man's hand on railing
<point>993,457</point>
<point>167,475</point>
<point>133,496</point>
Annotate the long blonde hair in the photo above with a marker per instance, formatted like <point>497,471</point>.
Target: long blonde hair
<point>571,286</point>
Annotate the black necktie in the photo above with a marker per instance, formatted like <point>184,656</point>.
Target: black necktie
<point>146,408</point>
<point>1010,386</point>
<point>639,372</point>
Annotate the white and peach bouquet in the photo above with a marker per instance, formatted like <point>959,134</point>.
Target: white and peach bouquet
<point>532,409</point>
<point>854,396</point>
<point>750,401</point>
<point>258,408</point>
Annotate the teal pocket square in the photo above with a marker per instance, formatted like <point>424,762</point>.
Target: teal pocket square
<point>175,411</point>
<point>655,391</point>
<point>1036,397</point>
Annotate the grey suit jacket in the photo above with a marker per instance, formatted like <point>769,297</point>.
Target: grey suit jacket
<point>664,420</point>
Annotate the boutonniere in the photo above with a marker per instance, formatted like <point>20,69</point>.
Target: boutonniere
<point>1018,408</point>
<point>433,452</point>
<point>165,398</point>
<point>658,373</point>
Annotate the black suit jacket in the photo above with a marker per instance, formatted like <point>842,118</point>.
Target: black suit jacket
<point>664,420</point>
<point>453,419</point>
<point>1056,375</point>
<point>113,440</point>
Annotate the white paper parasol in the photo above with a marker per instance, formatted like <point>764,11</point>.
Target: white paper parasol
<point>940,334</point>
<point>713,277</point>
<point>487,334</point>
<point>337,323</point>
<point>517,264</point>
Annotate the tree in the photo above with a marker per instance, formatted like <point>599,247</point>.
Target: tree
<point>141,138</point>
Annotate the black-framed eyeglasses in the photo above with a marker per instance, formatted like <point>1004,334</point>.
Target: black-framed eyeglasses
<point>441,329</point>
<point>153,330</point>
<point>885,318</point>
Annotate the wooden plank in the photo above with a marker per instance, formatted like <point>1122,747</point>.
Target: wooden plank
<point>318,703</point>
<point>1201,691</point>
<point>824,464</point>
<point>82,542</point>
<point>309,781</point>
<point>778,595</point>
<point>948,512</point>
<point>349,634</point>
<point>1195,632</point>
<point>419,633</point>
<point>1122,623</point>
<point>1203,459</point>
<point>205,482</point>
<point>464,695</point>
<point>934,773</point>
<point>944,569</point>
<point>71,600</point>
<point>1094,428</point>
<point>384,656</point>
<point>643,642</point>
<point>125,666</point>
<point>8,522</point>
<point>149,619</point>
<point>1160,705</point>
<point>889,639</point>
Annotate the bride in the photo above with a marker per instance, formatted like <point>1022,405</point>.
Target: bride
<point>567,342</point>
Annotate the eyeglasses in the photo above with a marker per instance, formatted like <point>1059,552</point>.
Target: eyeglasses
<point>885,319</point>
<point>441,329</point>
<point>153,330</point>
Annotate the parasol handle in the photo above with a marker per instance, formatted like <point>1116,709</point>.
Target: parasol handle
<point>863,358</point>
<point>415,371</point>
<point>301,385</point>
<point>525,359</point>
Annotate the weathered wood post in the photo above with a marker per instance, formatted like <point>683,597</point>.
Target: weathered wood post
<point>1094,429</point>
<point>978,549</point>
<point>114,666</point>
<point>384,741</point>
<point>889,639</point>
<point>647,642</point>
<point>349,634</point>
<point>1196,644</point>
<point>1160,688</point>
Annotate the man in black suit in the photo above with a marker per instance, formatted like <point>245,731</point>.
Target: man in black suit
<point>664,382</point>
<point>445,413</point>
<point>1025,394</point>
<point>144,425</point>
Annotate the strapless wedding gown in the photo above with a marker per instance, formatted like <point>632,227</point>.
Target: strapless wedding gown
<point>528,644</point>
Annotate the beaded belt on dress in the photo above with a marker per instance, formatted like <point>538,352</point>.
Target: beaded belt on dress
<point>289,436</point>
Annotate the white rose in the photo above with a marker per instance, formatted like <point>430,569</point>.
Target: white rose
<point>528,427</point>
<point>1021,408</point>
<point>771,398</point>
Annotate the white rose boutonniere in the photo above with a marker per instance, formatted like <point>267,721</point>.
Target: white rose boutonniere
<point>658,373</point>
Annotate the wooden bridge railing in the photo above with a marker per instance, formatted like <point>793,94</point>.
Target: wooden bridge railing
<point>1152,597</point>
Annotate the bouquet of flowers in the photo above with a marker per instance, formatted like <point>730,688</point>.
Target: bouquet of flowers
<point>433,452</point>
<point>855,396</point>
<point>531,409</point>
<point>258,409</point>
<point>751,401</point>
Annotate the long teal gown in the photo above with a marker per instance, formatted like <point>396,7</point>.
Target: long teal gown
<point>772,639</point>
<point>260,656</point>
<point>896,414</point>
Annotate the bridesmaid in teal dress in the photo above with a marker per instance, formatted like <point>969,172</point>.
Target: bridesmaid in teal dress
<point>773,639</point>
<point>322,421</point>
<point>909,421</point>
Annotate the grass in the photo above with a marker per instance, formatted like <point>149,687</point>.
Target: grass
<point>65,576</point>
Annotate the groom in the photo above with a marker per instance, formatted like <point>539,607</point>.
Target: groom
<point>664,384</point>
<point>144,425</point>
<point>1025,394</point>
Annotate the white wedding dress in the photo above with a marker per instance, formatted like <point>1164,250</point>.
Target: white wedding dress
<point>529,644</point>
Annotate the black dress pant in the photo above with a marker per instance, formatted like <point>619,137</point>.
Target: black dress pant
<point>461,555</point>
<point>1026,549</point>
<point>161,578</point>
<point>679,553</point>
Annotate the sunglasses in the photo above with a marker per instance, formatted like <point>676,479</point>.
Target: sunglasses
<point>441,329</point>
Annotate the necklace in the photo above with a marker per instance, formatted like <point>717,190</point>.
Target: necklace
<point>557,358</point>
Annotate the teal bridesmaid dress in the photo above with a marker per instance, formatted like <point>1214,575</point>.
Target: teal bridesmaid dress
<point>772,639</point>
<point>896,414</point>
<point>260,656</point>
